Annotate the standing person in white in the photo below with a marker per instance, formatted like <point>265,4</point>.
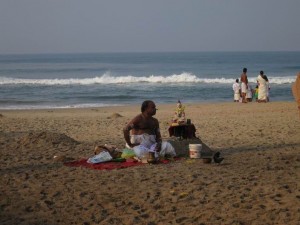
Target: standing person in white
<point>249,93</point>
<point>244,85</point>
<point>262,87</point>
<point>236,91</point>
<point>267,86</point>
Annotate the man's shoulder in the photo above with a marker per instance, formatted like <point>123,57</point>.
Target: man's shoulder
<point>141,117</point>
<point>156,120</point>
<point>137,117</point>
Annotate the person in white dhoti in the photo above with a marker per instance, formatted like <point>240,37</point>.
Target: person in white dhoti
<point>267,87</point>
<point>142,133</point>
<point>147,143</point>
<point>244,85</point>
<point>249,94</point>
<point>236,91</point>
<point>262,87</point>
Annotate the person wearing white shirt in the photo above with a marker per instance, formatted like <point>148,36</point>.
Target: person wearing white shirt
<point>236,91</point>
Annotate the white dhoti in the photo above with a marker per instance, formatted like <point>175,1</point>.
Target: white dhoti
<point>148,144</point>
<point>244,87</point>
<point>236,96</point>
<point>262,88</point>
<point>249,93</point>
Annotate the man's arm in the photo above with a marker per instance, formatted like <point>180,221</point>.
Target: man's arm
<point>126,131</point>
<point>158,137</point>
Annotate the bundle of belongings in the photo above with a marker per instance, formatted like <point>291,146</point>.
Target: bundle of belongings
<point>109,158</point>
<point>144,152</point>
<point>104,153</point>
<point>147,146</point>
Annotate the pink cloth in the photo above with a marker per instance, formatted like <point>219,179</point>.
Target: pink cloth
<point>108,165</point>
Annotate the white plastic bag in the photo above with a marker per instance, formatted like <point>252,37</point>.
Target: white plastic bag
<point>140,151</point>
<point>101,157</point>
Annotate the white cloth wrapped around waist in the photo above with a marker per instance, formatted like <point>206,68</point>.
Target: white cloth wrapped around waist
<point>236,97</point>
<point>262,88</point>
<point>244,87</point>
<point>147,143</point>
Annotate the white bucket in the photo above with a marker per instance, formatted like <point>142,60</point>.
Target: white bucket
<point>195,150</point>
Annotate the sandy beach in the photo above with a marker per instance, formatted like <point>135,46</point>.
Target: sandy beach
<point>257,183</point>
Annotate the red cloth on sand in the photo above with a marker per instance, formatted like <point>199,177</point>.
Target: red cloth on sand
<point>107,165</point>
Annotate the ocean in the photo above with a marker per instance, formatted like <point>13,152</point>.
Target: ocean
<point>46,81</point>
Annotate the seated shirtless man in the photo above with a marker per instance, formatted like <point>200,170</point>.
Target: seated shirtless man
<point>143,135</point>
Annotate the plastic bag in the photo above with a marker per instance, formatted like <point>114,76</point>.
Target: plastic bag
<point>127,153</point>
<point>141,151</point>
<point>103,156</point>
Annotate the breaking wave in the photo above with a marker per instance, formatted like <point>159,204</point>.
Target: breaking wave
<point>109,79</point>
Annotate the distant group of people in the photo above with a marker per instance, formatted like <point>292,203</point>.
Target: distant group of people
<point>243,92</point>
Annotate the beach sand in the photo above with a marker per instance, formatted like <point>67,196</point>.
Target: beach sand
<point>257,183</point>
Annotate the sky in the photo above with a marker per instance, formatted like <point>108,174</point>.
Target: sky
<point>82,26</point>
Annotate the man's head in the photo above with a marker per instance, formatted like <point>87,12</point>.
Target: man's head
<point>237,80</point>
<point>245,70</point>
<point>261,72</point>
<point>148,107</point>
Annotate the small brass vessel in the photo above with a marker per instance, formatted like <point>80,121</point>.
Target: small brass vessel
<point>151,158</point>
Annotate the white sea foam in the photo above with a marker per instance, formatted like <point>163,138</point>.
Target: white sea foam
<point>109,79</point>
<point>91,105</point>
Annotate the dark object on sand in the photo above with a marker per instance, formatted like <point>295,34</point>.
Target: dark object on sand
<point>206,160</point>
<point>217,158</point>
<point>151,158</point>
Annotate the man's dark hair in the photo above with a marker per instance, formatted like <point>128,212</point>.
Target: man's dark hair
<point>244,70</point>
<point>145,105</point>
<point>261,72</point>
<point>237,80</point>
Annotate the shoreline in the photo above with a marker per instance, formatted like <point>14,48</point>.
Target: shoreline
<point>134,104</point>
<point>258,182</point>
